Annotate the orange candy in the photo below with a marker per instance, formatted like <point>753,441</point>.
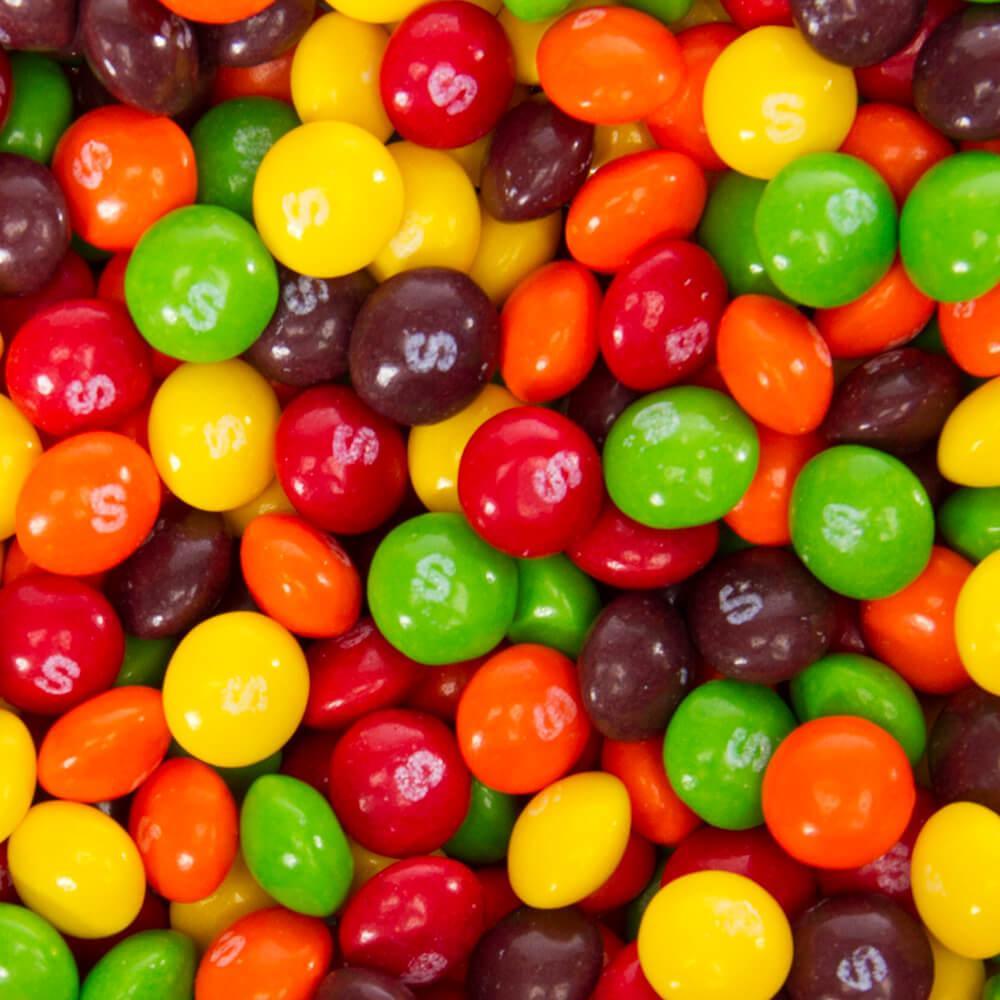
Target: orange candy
<point>106,747</point>
<point>761,516</point>
<point>300,576</point>
<point>217,11</point>
<point>838,792</point>
<point>121,169</point>
<point>914,631</point>
<point>549,332</point>
<point>269,79</point>
<point>775,364</point>
<point>521,723</point>
<point>88,504</point>
<point>609,64</point>
<point>680,124</point>
<point>887,315</point>
<point>631,202</point>
<point>971,333</point>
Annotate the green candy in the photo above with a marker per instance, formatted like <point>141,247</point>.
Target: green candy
<point>153,965</point>
<point>726,232</point>
<point>556,604</point>
<point>991,990</point>
<point>483,837</point>
<point>438,592</point>
<point>849,684</point>
<point>200,284</point>
<point>294,846</point>
<point>826,229</point>
<point>145,661</point>
<point>948,233</point>
<point>680,457</point>
<point>35,962</point>
<point>969,520</point>
<point>229,143</point>
<point>861,522</point>
<point>536,10</point>
<point>717,746</point>
<point>667,11</point>
<point>636,909</point>
<point>41,110</point>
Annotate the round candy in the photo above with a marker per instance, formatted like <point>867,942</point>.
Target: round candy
<point>969,520</point>
<point>960,754</point>
<point>236,689</point>
<point>154,963</point>
<point>216,11</point>
<point>969,441</point>
<point>17,772</point>
<point>20,449</point>
<point>680,457</point>
<point>861,522</point>
<point>37,105</point>
<point>852,37</point>
<point>484,835</point>
<point>34,957</point>
<point>263,36</point>
<point>977,625</point>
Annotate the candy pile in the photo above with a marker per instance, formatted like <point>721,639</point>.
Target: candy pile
<point>500,501</point>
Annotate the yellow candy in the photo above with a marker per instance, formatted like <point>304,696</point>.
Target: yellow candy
<point>435,450</point>
<point>17,772</point>
<point>388,11</point>
<point>367,864</point>
<point>19,450</point>
<point>271,501</point>
<point>701,12</point>
<point>568,840</point>
<point>715,936</point>
<point>78,868</point>
<point>955,977</point>
<point>969,447</point>
<point>235,689</point>
<point>770,98</point>
<point>611,142</point>
<point>211,434</point>
<point>327,197</point>
<point>955,874</point>
<point>237,895</point>
<point>510,251</point>
<point>977,624</point>
<point>440,226</point>
<point>472,158</point>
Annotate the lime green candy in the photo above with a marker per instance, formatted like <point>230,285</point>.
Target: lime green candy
<point>294,846</point>
<point>948,233</point>
<point>483,837</point>
<point>680,457</point>
<point>861,522</point>
<point>849,684</point>
<point>145,662</point>
<point>556,604</point>
<point>200,284</point>
<point>153,965</point>
<point>229,143</point>
<point>826,229</point>
<point>35,962</point>
<point>667,11</point>
<point>536,10</point>
<point>717,746</point>
<point>969,520</point>
<point>438,592</point>
<point>41,109</point>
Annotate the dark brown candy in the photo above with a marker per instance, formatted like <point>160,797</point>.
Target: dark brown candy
<point>537,953</point>
<point>598,401</point>
<point>848,947</point>
<point>260,37</point>
<point>37,25</point>
<point>635,667</point>
<point>964,749</point>
<point>176,577</point>
<point>34,225</point>
<point>858,34</point>
<point>307,340</point>
<point>759,615</point>
<point>424,344</point>
<point>362,984</point>
<point>538,159</point>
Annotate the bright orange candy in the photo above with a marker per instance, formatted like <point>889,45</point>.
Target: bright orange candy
<point>914,631</point>
<point>300,576</point>
<point>217,11</point>
<point>609,64</point>
<point>657,813</point>
<point>185,824</point>
<point>121,169</point>
<point>631,202</point>
<point>761,516</point>
<point>838,792</point>
<point>106,747</point>
<point>521,723</point>
<point>887,315</point>
<point>680,124</point>
<point>271,953</point>
<point>269,79</point>
<point>775,364</point>
<point>898,143</point>
<point>549,332</point>
<point>971,333</point>
<point>88,504</point>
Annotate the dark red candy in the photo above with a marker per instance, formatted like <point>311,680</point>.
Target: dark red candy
<point>72,280</point>
<point>307,757</point>
<point>307,339</point>
<point>37,25</point>
<point>176,577</point>
<point>362,984</point>
<point>439,689</point>
<point>538,953</point>
<point>759,615</point>
<point>598,401</point>
<point>854,34</point>
<point>424,344</point>
<point>538,159</point>
<point>261,37</point>
<point>964,749</point>
<point>8,894</point>
<point>34,225</point>
<point>623,978</point>
<point>860,945</point>
<point>635,667</point>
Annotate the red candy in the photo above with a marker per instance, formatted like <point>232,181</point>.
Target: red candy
<point>72,280</point>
